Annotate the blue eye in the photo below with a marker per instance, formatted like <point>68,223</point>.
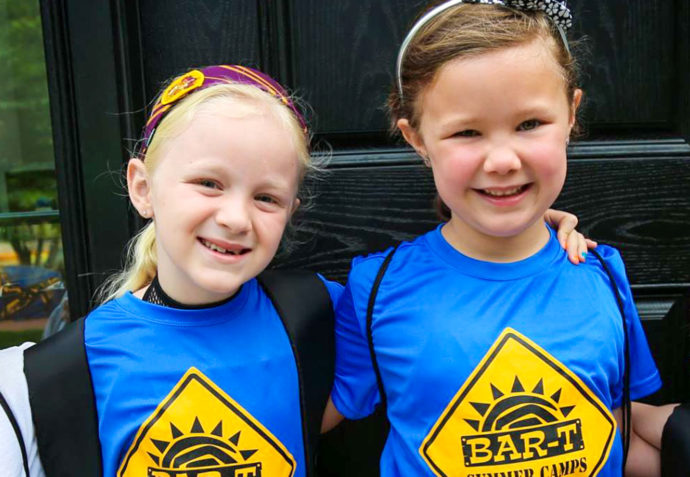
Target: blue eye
<point>266,198</point>
<point>529,125</point>
<point>208,183</point>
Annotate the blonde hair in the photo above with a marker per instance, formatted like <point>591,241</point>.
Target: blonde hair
<point>141,261</point>
<point>469,30</point>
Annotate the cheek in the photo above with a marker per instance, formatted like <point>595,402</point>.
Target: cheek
<point>272,226</point>
<point>549,160</point>
<point>455,169</point>
<point>550,171</point>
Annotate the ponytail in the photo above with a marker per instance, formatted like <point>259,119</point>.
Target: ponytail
<point>140,267</point>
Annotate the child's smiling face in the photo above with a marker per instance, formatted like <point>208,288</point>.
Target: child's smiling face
<point>494,128</point>
<point>221,193</point>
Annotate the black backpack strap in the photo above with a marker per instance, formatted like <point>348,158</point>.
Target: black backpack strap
<point>63,404</point>
<point>625,431</point>
<point>675,443</point>
<point>305,308</point>
<point>370,319</point>
<point>18,432</point>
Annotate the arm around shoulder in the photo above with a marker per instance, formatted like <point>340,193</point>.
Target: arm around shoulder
<point>644,460</point>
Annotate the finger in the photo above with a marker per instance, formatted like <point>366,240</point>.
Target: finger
<point>573,247</point>
<point>566,226</point>
<point>582,248</point>
<point>591,243</point>
<point>557,217</point>
<point>565,231</point>
<point>562,239</point>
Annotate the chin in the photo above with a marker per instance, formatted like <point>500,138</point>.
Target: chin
<point>220,286</point>
<point>510,229</point>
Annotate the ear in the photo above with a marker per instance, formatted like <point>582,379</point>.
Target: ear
<point>412,136</point>
<point>577,99</point>
<point>139,187</point>
<point>295,206</point>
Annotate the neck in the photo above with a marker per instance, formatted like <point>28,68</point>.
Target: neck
<point>490,248</point>
<point>155,294</point>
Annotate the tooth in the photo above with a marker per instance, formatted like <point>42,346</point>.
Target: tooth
<point>214,247</point>
<point>497,193</point>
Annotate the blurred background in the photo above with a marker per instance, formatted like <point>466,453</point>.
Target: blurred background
<point>31,255</point>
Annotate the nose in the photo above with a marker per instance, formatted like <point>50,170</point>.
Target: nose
<point>502,159</point>
<point>233,213</point>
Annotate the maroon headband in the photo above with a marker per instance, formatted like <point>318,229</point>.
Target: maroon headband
<point>212,75</point>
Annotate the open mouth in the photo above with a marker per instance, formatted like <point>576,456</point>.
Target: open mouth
<point>501,193</point>
<point>216,248</point>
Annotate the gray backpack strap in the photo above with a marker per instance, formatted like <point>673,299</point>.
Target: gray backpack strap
<point>18,432</point>
<point>305,308</point>
<point>63,404</point>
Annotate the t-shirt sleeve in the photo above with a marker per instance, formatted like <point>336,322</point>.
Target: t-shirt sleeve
<point>644,376</point>
<point>355,393</point>
<point>14,390</point>
<point>335,290</point>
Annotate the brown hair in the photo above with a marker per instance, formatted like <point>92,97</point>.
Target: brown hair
<point>468,30</point>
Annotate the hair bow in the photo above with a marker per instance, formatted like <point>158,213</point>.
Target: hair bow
<point>557,10</point>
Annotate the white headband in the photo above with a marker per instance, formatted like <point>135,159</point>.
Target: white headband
<point>555,9</point>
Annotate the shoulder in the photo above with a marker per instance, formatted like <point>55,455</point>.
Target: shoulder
<point>408,258</point>
<point>610,268</point>
<point>366,267</point>
<point>610,259</point>
<point>113,319</point>
<point>609,254</point>
<point>126,303</point>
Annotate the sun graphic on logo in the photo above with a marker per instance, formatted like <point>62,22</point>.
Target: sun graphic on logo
<point>202,451</point>
<point>518,409</point>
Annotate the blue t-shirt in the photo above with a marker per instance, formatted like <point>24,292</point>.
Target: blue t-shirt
<point>491,368</point>
<point>214,389</point>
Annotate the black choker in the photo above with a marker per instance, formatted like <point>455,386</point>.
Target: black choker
<point>155,294</point>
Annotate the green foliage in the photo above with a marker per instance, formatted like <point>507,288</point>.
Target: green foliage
<point>31,190</point>
<point>36,244</point>
<point>25,130</point>
<point>27,177</point>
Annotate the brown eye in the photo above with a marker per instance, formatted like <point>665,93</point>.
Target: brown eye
<point>467,133</point>
<point>529,125</point>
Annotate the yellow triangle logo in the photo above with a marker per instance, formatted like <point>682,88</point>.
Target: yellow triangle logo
<point>520,413</point>
<point>198,430</point>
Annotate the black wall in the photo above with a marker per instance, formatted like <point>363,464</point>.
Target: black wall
<point>628,178</point>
